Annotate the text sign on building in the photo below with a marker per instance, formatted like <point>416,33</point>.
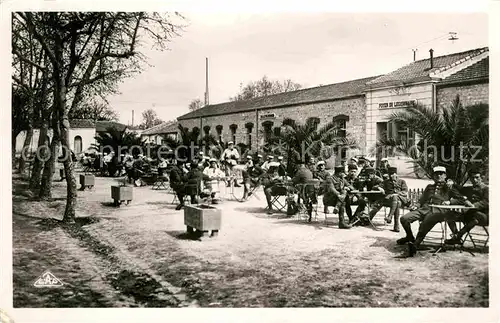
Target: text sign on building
<point>268,116</point>
<point>397,104</point>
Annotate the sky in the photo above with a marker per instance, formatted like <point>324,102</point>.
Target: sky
<point>310,48</point>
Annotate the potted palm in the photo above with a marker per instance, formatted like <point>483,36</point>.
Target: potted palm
<point>122,193</point>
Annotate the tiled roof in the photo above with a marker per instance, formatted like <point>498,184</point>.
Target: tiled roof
<point>102,126</point>
<point>420,70</point>
<point>166,127</point>
<point>81,123</point>
<point>476,71</point>
<point>315,94</point>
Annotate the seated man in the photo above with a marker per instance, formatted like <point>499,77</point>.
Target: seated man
<point>251,178</point>
<point>371,183</point>
<point>322,175</point>
<point>438,193</point>
<point>478,199</point>
<point>383,170</point>
<point>282,167</point>
<point>351,199</point>
<point>307,192</point>
<point>214,174</point>
<point>396,196</point>
<point>265,165</point>
<point>336,193</point>
<point>194,179</point>
<point>274,185</point>
<point>178,182</point>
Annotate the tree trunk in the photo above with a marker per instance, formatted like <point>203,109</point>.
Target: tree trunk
<point>49,169</point>
<point>14,144</point>
<point>40,158</point>
<point>71,189</point>
<point>25,152</point>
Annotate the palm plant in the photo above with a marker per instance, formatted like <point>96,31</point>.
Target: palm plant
<point>187,137</point>
<point>297,141</point>
<point>116,140</point>
<point>456,137</point>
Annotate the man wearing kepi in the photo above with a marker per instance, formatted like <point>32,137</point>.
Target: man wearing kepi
<point>371,183</point>
<point>396,196</point>
<point>336,193</point>
<point>479,215</point>
<point>439,193</point>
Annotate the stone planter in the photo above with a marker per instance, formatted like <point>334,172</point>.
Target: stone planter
<point>203,218</point>
<point>87,181</point>
<point>121,194</point>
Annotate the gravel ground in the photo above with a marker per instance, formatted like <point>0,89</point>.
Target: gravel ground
<point>140,255</point>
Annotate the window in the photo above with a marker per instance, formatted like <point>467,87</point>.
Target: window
<point>267,126</point>
<point>341,124</point>
<point>277,131</point>
<point>77,147</point>
<point>249,126</point>
<point>206,130</point>
<point>219,132</point>
<point>233,128</point>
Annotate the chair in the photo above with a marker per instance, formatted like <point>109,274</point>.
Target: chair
<point>303,190</point>
<point>160,181</point>
<point>279,191</point>
<point>478,239</point>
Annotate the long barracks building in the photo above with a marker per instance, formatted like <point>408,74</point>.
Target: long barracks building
<point>361,107</point>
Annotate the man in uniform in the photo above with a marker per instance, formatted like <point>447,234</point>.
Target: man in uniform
<point>274,185</point>
<point>479,200</point>
<point>372,183</point>
<point>437,193</point>
<point>306,192</point>
<point>384,168</point>
<point>351,199</point>
<point>396,196</point>
<point>259,161</point>
<point>281,167</point>
<point>322,175</point>
<point>265,165</point>
<point>336,193</point>
<point>178,182</point>
<point>251,177</point>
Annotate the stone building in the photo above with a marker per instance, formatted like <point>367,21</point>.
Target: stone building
<point>157,134</point>
<point>251,121</point>
<point>81,134</point>
<point>362,107</point>
<point>433,82</point>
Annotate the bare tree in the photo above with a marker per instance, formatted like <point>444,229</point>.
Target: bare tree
<point>264,87</point>
<point>99,111</point>
<point>150,119</point>
<point>195,105</point>
<point>90,52</point>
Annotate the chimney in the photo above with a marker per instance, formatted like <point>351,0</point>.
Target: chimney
<point>431,52</point>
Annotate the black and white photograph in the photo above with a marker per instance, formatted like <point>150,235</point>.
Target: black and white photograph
<point>170,159</point>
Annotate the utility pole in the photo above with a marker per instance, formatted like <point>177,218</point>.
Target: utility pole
<point>207,101</point>
<point>132,118</point>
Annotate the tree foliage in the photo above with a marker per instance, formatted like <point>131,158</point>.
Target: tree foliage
<point>150,119</point>
<point>456,137</point>
<point>264,87</point>
<point>195,105</point>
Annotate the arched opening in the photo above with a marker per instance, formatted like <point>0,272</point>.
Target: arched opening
<point>77,147</point>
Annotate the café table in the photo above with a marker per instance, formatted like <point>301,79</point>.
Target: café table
<point>368,204</point>
<point>444,226</point>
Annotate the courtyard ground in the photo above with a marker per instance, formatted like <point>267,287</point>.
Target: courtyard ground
<point>140,256</point>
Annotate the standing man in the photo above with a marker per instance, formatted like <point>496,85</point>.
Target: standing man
<point>336,194</point>
<point>306,192</point>
<point>396,196</point>
<point>231,156</point>
<point>479,200</point>
<point>322,175</point>
<point>437,193</point>
<point>178,182</point>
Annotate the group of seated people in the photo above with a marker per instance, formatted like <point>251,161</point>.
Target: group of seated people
<point>347,186</point>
